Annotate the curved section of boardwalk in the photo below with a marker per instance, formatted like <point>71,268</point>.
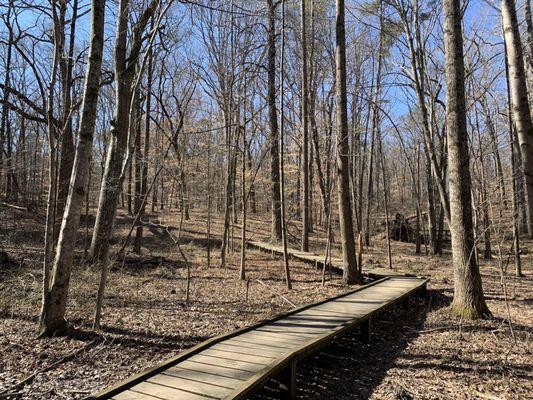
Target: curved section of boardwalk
<point>318,261</point>
<point>235,365</point>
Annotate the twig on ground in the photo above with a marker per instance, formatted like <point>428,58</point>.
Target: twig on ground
<point>277,294</point>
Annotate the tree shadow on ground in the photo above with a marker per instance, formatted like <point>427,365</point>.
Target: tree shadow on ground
<point>81,330</point>
<point>349,369</point>
<point>128,338</point>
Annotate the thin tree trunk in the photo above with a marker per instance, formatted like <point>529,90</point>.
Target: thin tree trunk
<point>385,199</point>
<point>67,145</point>
<point>515,177</point>
<point>52,143</point>
<point>305,131</point>
<point>375,128</point>
<point>273,122</point>
<point>208,233</point>
<point>288,281</point>
<point>138,158</point>
<point>144,180</point>
<point>242,274</point>
<point>4,170</point>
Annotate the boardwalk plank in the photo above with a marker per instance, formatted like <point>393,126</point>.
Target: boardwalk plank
<point>231,355</point>
<point>166,392</point>
<point>260,343</point>
<point>130,395</point>
<point>201,388</point>
<point>275,338</point>
<point>211,378</point>
<point>216,370</point>
<point>253,350</point>
<point>222,362</point>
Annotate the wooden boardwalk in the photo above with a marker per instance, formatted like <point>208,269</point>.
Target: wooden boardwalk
<point>318,261</point>
<point>235,365</point>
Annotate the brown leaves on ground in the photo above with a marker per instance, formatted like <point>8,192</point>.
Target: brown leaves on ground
<point>421,353</point>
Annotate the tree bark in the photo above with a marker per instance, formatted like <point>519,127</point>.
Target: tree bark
<point>468,300</point>
<point>520,102</point>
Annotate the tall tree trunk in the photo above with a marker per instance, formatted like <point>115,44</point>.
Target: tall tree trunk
<point>376,123</point>
<point>529,38</point>
<point>483,195</point>
<point>111,186</point>
<point>67,145</point>
<point>515,175</point>
<point>520,102</point>
<point>468,300</point>
<point>253,197</point>
<point>385,199</point>
<point>418,68</point>
<point>52,319</point>
<point>288,281</point>
<point>52,165</point>
<point>228,186</point>
<point>495,150</point>
<point>126,67</point>
<point>242,271</point>
<point>351,272</point>
<point>273,122</point>
<point>514,199</point>
<point>305,131</point>
<point>5,108</point>
<point>138,158</point>
<point>144,180</point>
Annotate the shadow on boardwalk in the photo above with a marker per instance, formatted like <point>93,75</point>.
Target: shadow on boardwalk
<point>349,369</point>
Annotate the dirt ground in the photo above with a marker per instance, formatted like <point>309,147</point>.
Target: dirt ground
<point>419,353</point>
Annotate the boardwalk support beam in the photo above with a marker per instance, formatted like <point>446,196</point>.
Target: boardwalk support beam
<point>288,382</point>
<point>405,303</point>
<point>366,328</point>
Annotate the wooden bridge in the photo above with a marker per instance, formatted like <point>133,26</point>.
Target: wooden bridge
<point>235,365</point>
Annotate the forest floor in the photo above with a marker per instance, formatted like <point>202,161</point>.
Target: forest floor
<point>420,353</point>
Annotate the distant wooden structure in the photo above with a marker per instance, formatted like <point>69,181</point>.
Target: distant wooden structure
<point>318,260</point>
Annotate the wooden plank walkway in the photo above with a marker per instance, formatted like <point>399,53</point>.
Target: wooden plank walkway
<point>235,365</point>
<point>318,261</point>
